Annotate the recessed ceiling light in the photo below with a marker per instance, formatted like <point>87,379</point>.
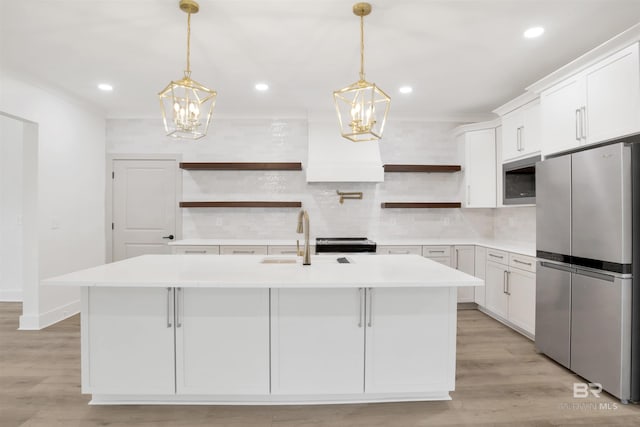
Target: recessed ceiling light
<point>105,87</point>
<point>406,89</point>
<point>262,87</point>
<point>533,32</point>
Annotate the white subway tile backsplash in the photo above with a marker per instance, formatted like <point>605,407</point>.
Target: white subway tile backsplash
<point>286,140</point>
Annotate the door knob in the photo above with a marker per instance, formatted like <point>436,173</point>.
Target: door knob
<point>170,237</point>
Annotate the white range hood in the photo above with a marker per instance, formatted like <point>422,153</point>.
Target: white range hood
<point>333,158</point>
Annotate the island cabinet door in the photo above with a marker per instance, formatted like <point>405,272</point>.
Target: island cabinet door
<point>128,341</point>
<point>222,341</point>
<point>317,341</point>
<point>410,340</point>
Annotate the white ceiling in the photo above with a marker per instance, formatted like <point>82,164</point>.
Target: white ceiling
<point>462,57</point>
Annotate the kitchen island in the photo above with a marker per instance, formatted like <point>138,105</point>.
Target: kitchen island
<point>203,329</point>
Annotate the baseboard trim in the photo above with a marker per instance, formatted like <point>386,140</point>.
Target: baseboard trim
<point>10,295</point>
<point>41,321</point>
<point>507,323</point>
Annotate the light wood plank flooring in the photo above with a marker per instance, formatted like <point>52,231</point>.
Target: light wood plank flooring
<point>500,381</point>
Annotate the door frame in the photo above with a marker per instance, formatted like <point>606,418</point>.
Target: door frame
<point>109,193</point>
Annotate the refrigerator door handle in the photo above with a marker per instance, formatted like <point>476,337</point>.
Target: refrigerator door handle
<point>594,275</point>
<point>557,267</point>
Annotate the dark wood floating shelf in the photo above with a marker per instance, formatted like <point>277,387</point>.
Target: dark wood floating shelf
<point>243,204</point>
<point>242,166</point>
<point>422,168</point>
<point>421,205</point>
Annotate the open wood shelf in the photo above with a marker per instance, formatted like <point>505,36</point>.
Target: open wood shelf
<point>422,168</point>
<point>421,205</point>
<point>241,204</point>
<point>240,166</point>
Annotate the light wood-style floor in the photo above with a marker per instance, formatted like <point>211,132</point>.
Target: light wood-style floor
<point>500,381</point>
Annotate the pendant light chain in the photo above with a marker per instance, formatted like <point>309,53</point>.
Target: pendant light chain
<point>361,47</point>
<point>188,70</point>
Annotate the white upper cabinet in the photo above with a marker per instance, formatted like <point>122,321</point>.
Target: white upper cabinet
<point>613,97</point>
<point>479,168</point>
<point>598,104</point>
<point>521,132</point>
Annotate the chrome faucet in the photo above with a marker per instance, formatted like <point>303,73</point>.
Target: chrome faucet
<point>306,256</point>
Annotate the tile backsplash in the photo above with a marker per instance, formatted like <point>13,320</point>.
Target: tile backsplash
<point>285,140</point>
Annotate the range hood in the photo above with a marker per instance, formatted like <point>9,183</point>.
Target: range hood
<point>333,158</point>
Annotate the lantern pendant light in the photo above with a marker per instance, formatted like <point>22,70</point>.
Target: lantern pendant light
<point>362,107</point>
<point>187,106</point>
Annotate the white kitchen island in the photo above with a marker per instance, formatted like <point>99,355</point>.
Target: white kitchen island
<point>217,329</point>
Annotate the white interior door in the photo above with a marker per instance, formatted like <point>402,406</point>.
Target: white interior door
<point>144,207</point>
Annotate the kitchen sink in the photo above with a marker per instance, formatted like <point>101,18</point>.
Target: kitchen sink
<point>279,261</point>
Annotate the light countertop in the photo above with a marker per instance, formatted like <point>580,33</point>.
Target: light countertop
<point>247,271</point>
<point>524,248</point>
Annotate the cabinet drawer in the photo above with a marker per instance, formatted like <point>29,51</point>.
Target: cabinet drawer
<point>500,257</point>
<point>436,251</point>
<point>522,262</point>
<point>288,249</point>
<point>243,250</point>
<point>212,250</point>
<point>399,250</point>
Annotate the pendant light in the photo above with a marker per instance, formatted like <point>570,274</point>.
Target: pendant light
<point>362,107</point>
<point>187,106</point>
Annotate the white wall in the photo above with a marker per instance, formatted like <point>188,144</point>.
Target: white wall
<point>11,245</point>
<point>286,140</point>
<point>517,224</point>
<point>70,208</point>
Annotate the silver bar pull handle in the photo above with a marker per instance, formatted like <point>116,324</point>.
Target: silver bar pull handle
<point>522,262</point>
<point>496,256</point>
<point>178,303</point>
<point>504,282</point>
<point>370,292</point>
<point>169,308</point>
<point>578,125</point>
<point>508,283</point>
<point>468,194</point>
<point>360,301</point>
<point>236,251</point>
<point>457,258</point>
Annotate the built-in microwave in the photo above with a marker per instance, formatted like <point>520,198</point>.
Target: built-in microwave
<point>519,182</point>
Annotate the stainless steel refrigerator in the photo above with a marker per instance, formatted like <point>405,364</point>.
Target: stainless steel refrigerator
<point>587,236</point>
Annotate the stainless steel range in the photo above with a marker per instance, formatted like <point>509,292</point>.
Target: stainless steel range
<point>341,245</point>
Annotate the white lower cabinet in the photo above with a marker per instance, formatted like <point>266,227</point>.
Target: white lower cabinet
<point>464,260</point>
<point>222,341</point>
<point>162,341</point>
<point>399,250</point>
<point>496,298</point>
<point>510,287</point>
<point>401,340</point>
<point>317,341</point>
<point>129,341</point>
<point>354,341</point>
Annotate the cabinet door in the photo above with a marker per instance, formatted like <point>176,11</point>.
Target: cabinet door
<point>480,269</point>
<point>222,341</point>
<point>408,347</point>
<point>521,287</point>
<point>480,169</point>
<point>496,298</point>
<point>317,341</point>
<point>464,260</point>
<point>613,96</point>
<point>130,341</point>
<point>560,115</point>
<point>530,138</point>
<point>512,124</point>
